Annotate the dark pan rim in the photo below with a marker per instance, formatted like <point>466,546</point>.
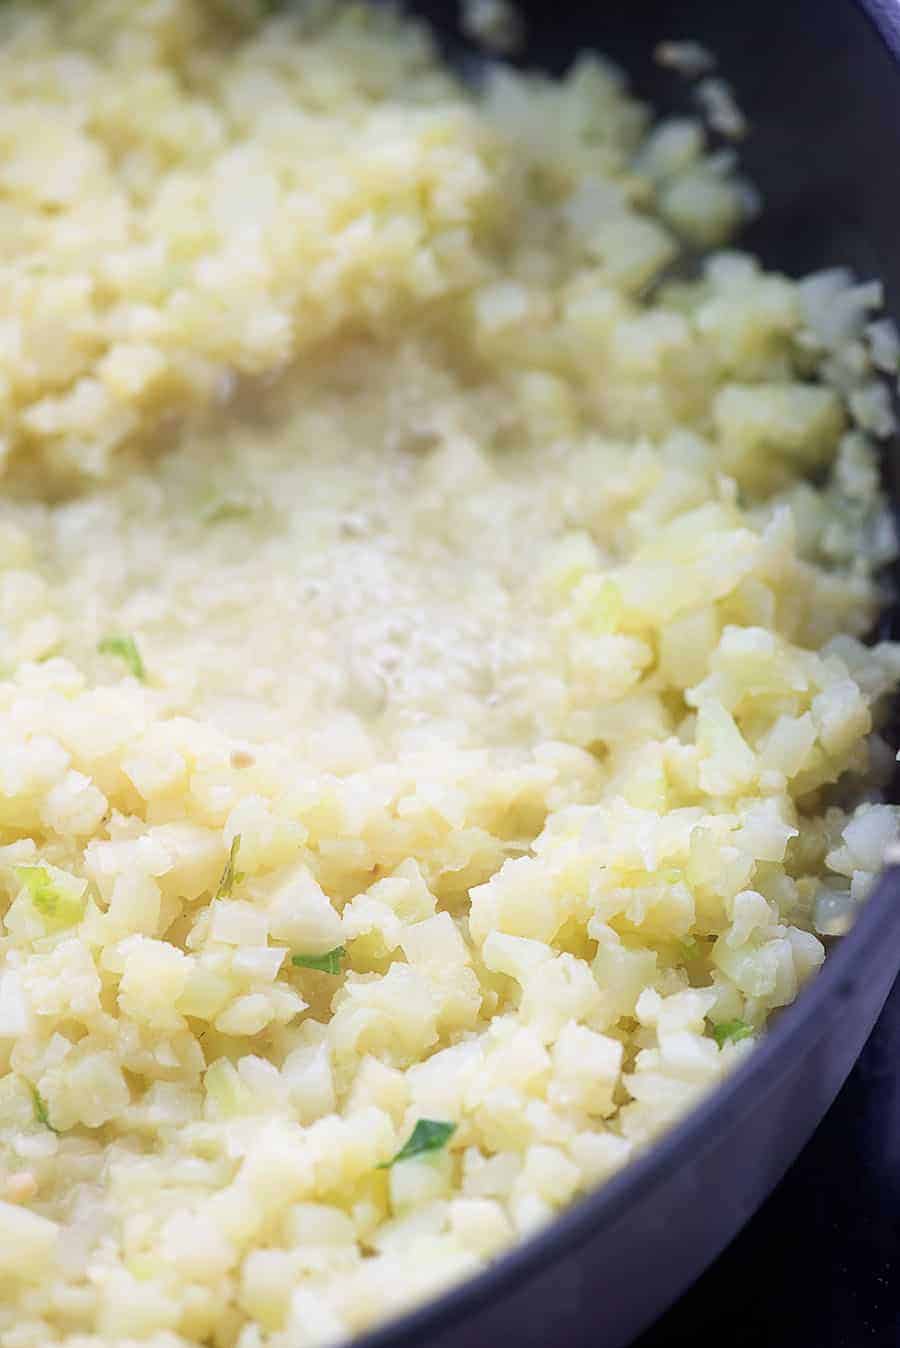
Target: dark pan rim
<point>885,17</point>
<point>877,925</point>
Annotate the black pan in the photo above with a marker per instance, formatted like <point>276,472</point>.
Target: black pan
<point>823,93</point>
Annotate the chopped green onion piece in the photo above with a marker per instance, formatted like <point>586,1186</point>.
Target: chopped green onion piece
<point>40,1109</point>
<point>50,899</point>
<point>329,963</point>
<point>428,1135</point>
<point>731,1031</point>
<point>41,890</point>
<point>689,948</point>
<point>230,876</point>
<point>124,648</point>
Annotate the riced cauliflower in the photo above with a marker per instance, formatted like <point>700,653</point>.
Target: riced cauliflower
<point>436,727</point>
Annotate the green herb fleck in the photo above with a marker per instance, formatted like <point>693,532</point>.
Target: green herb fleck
<point>124,648</point>
<point>58,906</point>
<point>329,963</point>
<point>428,1135</point>
<point>223,508</point>
<point>731,1031</point>
<point>40,1110</point>
<point>231,876</point>
<point>41,889</point>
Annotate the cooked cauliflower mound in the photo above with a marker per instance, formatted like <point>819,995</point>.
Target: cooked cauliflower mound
<point>435,727</point>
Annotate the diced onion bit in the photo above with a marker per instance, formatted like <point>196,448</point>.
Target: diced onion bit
<point>834,912</point>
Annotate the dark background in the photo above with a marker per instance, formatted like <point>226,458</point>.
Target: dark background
<point>819,1265</point>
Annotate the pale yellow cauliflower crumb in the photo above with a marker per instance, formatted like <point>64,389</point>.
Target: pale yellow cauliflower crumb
<point>431,640</point>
